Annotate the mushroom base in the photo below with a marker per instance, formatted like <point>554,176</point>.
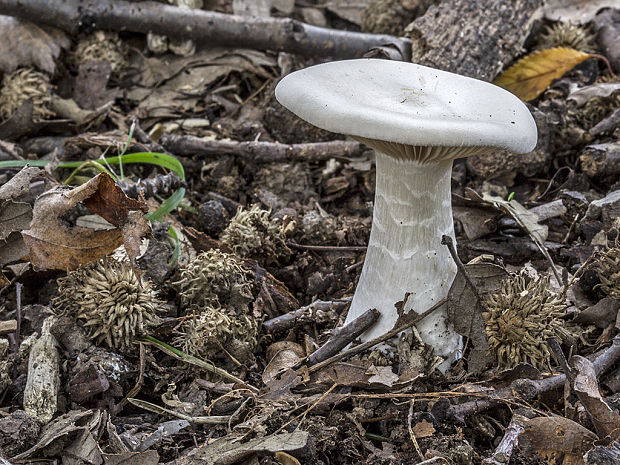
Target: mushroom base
<point>412,211</point>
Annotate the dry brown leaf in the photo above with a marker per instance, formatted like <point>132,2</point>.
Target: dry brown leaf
<point>26,44</point>
<point>53,244</point>
<point>531,75</point>
<point>556,440</point>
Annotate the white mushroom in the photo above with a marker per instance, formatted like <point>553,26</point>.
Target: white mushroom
<point>418,119</point>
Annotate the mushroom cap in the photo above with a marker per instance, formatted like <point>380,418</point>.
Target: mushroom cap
<point>404,103</point>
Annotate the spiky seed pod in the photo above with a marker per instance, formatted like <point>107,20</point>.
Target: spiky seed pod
<point>111,302</point>
<point>251,233</point>
<point>567,35</point>
<point>23,85</point>
<point>213,277</point>
<point>608,270</point>
<point>102,46</point>
<point>519,319</point>
<point>205,334</point>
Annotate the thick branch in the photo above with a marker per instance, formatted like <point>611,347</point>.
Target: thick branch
<point>212,28</point>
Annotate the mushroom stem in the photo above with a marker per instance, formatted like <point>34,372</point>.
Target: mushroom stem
<point>412,211</point>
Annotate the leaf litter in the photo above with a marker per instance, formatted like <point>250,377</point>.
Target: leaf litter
<point>253,397</point>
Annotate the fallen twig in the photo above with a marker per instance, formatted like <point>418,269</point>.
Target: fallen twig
<point>378,340</point>
<point>209,27</point>
<point>343,336</point>
<point>261,152</point>
<point>327,248</point>
<point>503,452</point>
<point>282,323</point>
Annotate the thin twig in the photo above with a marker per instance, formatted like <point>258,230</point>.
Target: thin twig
<point>326,248</point>
<point>411,433</point>
<point>448,242</point>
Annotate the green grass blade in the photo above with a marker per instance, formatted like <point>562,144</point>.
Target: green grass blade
<point>152,158</point>
<point>168,205</point>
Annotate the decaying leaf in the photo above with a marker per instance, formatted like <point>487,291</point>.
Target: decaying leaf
<point>228,450</point>
<point>465,310</point>
<point>16,213</point>
<point>585,385</point>
<point>575,11</point>
<point>26,44</point>
<point>556,440</point>
<point>59,431</point>
<point>14,216</point>
<point>149,457</point>
<point>528,221</point>
<point>531,75</point>
<point>53,244</point>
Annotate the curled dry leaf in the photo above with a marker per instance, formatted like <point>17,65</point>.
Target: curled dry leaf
<point>531,75</point>
<point>53,244</point>
<point>26,44</point>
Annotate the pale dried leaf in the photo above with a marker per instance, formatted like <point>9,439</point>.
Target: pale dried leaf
<point>149,457</point>
<point>351,10</point>
<point>58,430</point>
<point>575,11</point>
<point>14,217</point>
<point>226,449</point>
<point>26,44</point>
<point>582,95</point>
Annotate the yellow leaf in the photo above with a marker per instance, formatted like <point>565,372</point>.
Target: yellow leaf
<point>532,74</point>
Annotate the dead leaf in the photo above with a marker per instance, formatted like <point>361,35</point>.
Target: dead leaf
<point>14,216</point>
<point>280,388</point>
<point>603,314</point>
<point>351,10</point>
<point>528,221</point>
<point>228,450</point>
<point>356,374</point>
<point>26,44</point>
<point>465,310</point>
<point>557,440</point>
<point>58,430</point>
<point>575,11</point>
<point>423,429</point>
<point>531,75</point>
<point>149,457</point>
<point>53,244</point>
<point>582,95</point>
<point>585,385</point>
